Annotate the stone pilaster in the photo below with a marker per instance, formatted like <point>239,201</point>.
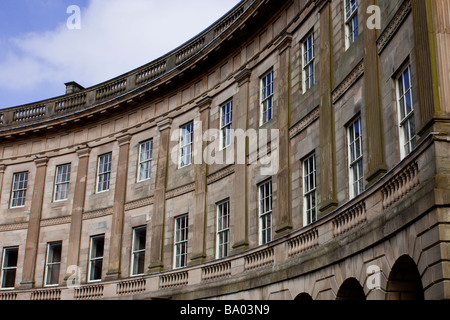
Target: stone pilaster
<point>376,158</point>
<point>239,217</point>
<point>115,247</point>
<point>32,242</point>
<point>159,195</point>
<point>201,172</point>
<point>327,136</point>
<point>284,203</point>
<point>431,43</point>
<point>79,197</point>
<point>2,173</point>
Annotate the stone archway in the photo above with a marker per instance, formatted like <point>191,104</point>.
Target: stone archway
<point>404,282</point>
<point>303,297</point>
<point>351,289</point>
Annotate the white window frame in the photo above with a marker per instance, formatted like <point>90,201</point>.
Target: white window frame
<point>309,190</point>
<point>355,158</point>
<point>308,54</point>
<point>93,260</point>
<point>265,212</point>
<point>186,144</point>
<point>104,172</point>
<point>138,253</point>
<point>19,190</point>
<point>226,120</point>
<point>223,229</point>
<point>145,160</point>
<point>181,241</point>
<point>407,134</point>
<point>62,182</point>
<point>9,268</point>
<point>267,97</point>
<point>51,265</point>
<point>351,22</point>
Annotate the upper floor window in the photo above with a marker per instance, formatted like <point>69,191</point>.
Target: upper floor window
<point>62,182</point>
<point>406,113</point>
<point>145,160</point>
<point>265,212</point>
<point>181,241</point>
<point>104,172</point>
<point>267,98</point>
<point>9,267</point>
<point>308,51</point>
<point>53,263</point>
<point>309,190</point>
<point>19,189</point>
<point>96,258</point>
<point>138,250</point>
<point>351,22</point>
<point>186,144</point>
<point>226,118</point>
<point>356,171</point>
<point>223,229</point>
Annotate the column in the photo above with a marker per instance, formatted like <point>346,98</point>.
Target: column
<point>159,199</point>
<point>239,217</point>
<point>201,172</point>
<point>284,203</point>
<point>32,242</point>
<point>372,94</point>
<point>327,137</point>
<point>120,190</point>
<point>79,196</point>
<point>431,42</point>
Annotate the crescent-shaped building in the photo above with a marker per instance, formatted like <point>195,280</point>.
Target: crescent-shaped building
<point>295,149</point>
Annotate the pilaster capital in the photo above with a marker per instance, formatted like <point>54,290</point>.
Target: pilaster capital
<point>40,161</point>
<point>164,124</point>
<point>284,42</point>
<point>321,3</point>
<point>123,139</point>
<point>2,168</point>
<point>83,152</point>
<point>204,104</point>
<point>243,76</point>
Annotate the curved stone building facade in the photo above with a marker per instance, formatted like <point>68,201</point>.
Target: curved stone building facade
<point>296,149</point>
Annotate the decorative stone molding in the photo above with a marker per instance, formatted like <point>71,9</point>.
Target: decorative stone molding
<point>303,242</point>
<point>180,191</point>
<point>139,203</point>
<point>216,271</point>
<point>400,185</point>
<point>304,123</point>
<point>393,25</point>
<point>14,226</point>
<point>89,292</point>
<point>131,286</point>
<point>349,219</point>
<point>356,73</point>
<point>97,213</point>
<point>260,259</point>
<point>173,280</point>
<point>219,175</point>
<point>55,221</point>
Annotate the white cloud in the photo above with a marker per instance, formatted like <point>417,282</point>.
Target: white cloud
<point>116,36</point>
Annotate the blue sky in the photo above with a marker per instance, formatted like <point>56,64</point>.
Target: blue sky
<point>39,53</point>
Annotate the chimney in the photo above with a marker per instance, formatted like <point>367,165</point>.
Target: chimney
<point>72,87</point>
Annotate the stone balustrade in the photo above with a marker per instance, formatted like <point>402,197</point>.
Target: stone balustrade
<point>90,97</point>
